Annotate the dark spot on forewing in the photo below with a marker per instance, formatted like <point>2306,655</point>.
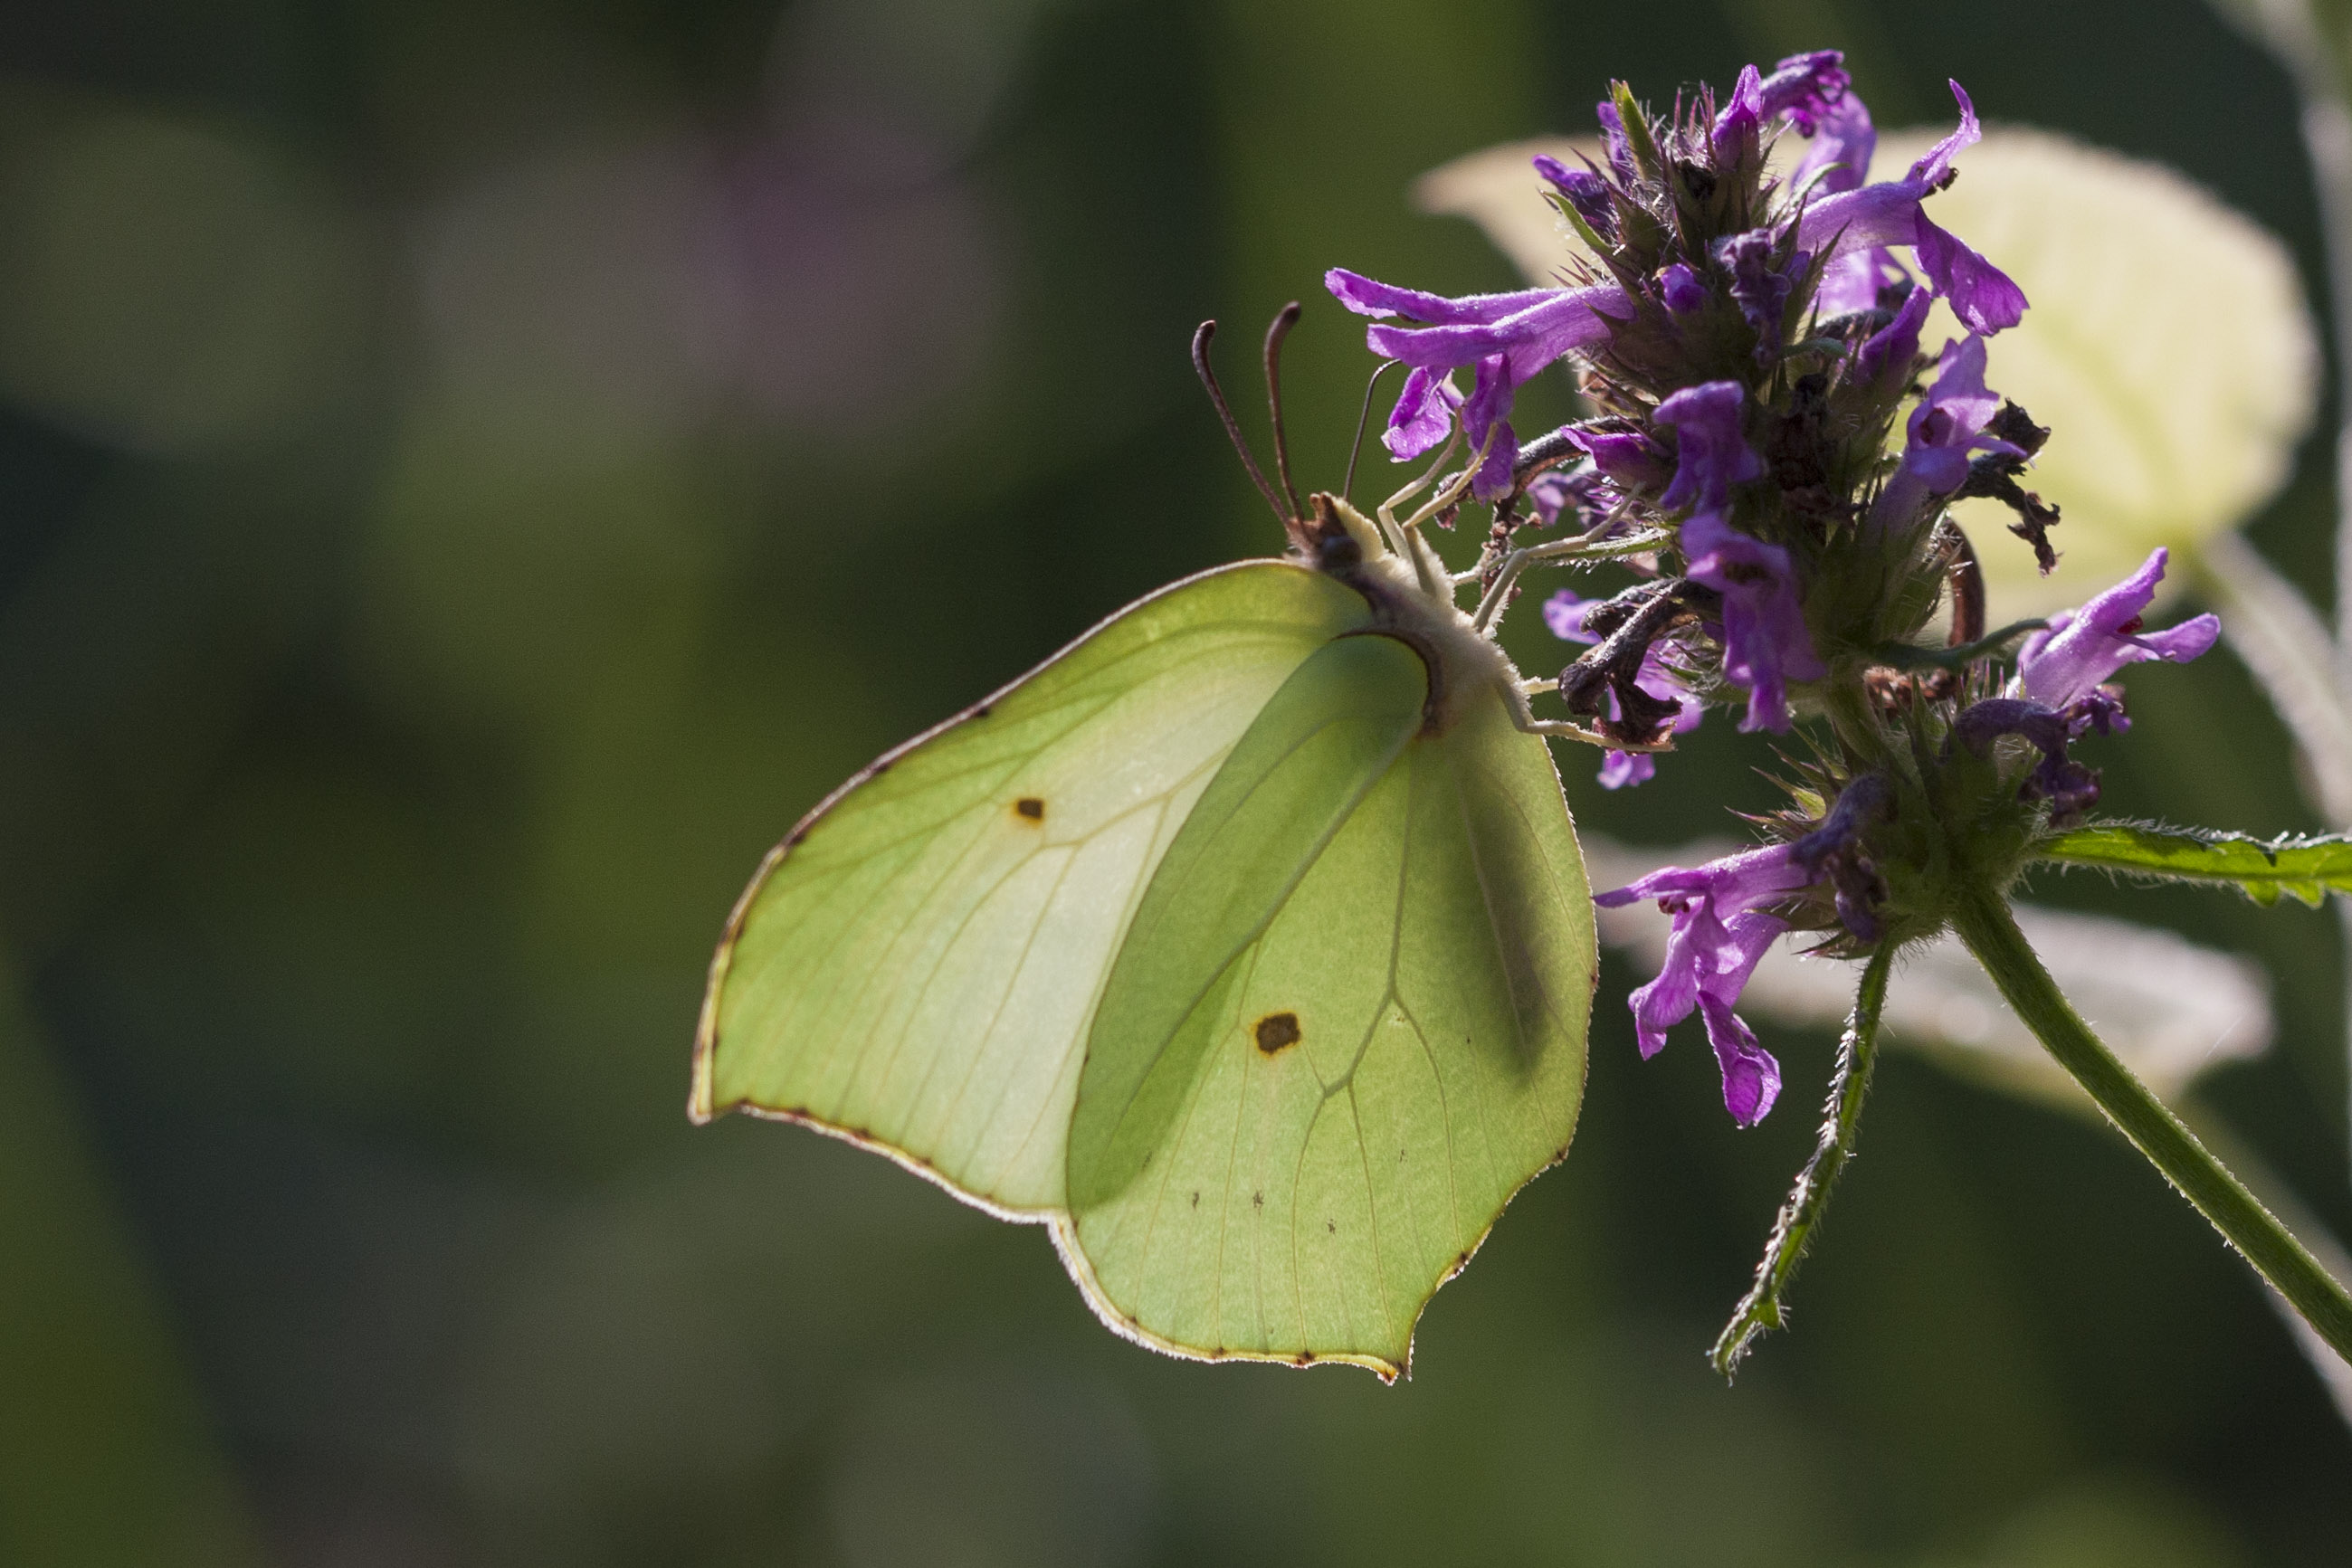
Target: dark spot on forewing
<point>1277,1032</point>
<point>1030,808</point>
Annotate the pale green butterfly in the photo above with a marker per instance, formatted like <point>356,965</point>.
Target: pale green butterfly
<point>1246,943</point>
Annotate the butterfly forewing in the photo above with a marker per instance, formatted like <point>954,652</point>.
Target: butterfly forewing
<point>916,966</point>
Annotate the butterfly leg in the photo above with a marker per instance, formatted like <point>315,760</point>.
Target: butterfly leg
<point>1523,717</point>
<point>1583,547</point>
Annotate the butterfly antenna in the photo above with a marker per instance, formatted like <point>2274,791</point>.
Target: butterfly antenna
<point>1363,418</point>
<point>1201,336</point>
<point>1276,330</point>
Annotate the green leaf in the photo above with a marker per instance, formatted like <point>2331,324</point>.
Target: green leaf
<point>2307,869</point>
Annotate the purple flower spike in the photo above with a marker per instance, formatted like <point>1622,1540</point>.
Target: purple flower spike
<point>1424,416</point>
<point>1564,612</point>
<point>1806,88</point>
<point>1717,940</point>
<point>2069,662</point>
<point>1870,216</point>
<point>1711,454</point>
<point>1765,644</point>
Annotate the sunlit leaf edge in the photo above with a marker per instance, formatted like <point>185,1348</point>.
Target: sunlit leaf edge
<point>2304,868</point>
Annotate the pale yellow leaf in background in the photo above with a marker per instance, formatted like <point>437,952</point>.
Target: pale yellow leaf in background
<point>2168,346</point>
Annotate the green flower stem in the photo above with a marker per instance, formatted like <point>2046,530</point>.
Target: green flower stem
<point>1762,1309</point>
<point>1984,923</point>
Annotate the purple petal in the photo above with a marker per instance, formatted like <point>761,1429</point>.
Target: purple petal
<point>1840,154</point>
<point>1734,136</point>
<point>1489,402</point>
<point>1929,172</point>
<point>1738,880</point>
<point>1613,134</point>
<point>1886,355</point>
<point>1424,416</point>
<point>1558,321</point>
<point>1564,612</point>
<point>1711,454</point>
<point>1765,642</point>
<point>1806,87</point>
<point>1587,192</point>
<point>2082,649</point>
<point>1983,296</point>
<point>1623,769</point>
<point>1870,216</point>
<point>1625,457</point>
<point>1751,1078</point>
<point>1369,297</point>
<point>1679,286</point>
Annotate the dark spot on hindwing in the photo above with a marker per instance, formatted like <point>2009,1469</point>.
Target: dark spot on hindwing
<point>1277,1031</point>
<point>1030,808</point>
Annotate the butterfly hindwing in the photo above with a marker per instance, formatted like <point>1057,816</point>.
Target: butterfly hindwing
<point>1304,1106</point>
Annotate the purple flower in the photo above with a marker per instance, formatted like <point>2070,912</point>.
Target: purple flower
<point>1711,454</point>
<point>1721,932</point>
<point>1734,136</point>
<point>1886,356</point>
<point>2069,786</point>
<point>2064,667</point>
<point>1891,213</point>
<point>1761,292</point>
<point>1948,425</point>
<point>1680,288</point>
<point>1508,337</point>
<point>1718,938</point>
<point>1564,612</point>
<point>1612,136</point>
<point>1765,644</point>
<point>1587,192</point>
<point>1585,489</point>
<point>1630,459</point>
<point>1843,141</point>
<point>1423,415</point>
<point>1806,88</point>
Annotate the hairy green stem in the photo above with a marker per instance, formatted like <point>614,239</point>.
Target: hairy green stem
<point>1984,923</point>
<point>1762,1308</point>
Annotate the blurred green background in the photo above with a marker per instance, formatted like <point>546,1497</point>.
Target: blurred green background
<point>475,473</point>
